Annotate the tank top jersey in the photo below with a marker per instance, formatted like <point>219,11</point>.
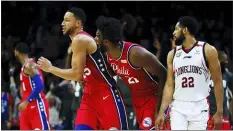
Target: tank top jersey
<point>140,81</point>
<point>95,73</point>
<point>192,77</point>
<point>26,82</point>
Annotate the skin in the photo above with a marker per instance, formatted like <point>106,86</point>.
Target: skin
<point>81,46</point>
<point>30,69</point>
<point>147,60</point>
<point>215,70</point>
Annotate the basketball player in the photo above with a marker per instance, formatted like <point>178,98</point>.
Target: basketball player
<point>136,66</point>
<point>34,106</point>
<point>190,66</point>
<point>227,77</point>
<point>101,106</point>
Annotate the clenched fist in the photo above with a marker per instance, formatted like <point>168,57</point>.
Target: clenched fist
<point>44,64</point>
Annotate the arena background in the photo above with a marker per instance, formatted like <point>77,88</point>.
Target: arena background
<point>149,24</point>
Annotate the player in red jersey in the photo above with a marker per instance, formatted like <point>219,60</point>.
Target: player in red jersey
<point>136,66</point>
<point>34,106</point>
<point>102,106</point>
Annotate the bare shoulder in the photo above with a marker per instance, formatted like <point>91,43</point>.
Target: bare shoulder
<point>138,52</point>
<point>84,42</point>
<point>30,68</point>
<point>170,55</point>
<point>210,50</point>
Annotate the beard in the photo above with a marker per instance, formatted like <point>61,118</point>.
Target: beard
<point>69,31</point>
<point>180,39</point>
<point>17,58</point>
<point>103,48</point>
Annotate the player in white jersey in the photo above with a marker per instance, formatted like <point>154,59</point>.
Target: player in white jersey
<point>190,66</point>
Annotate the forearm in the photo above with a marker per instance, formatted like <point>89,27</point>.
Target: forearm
<point>218,91</point>
<point>39,86</point>
<point>13,87</point>
<point>67,74</point>
<point>166,98</point>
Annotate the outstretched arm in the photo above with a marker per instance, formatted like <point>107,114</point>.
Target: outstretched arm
<point>79,49</point>
<point>140,57</point>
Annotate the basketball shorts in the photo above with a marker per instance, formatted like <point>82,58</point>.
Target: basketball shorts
<point>145,112</point>
<point>103,111</point>
<point>189,115</point>
<point>35,116</point>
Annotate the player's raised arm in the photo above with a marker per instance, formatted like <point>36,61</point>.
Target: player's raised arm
<point>79,49</point>
<point>216,75</point>
<point>167,92</point>
<point>140,57</point>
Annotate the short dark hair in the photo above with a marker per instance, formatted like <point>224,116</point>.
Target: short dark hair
<point>110,28</point>
<point>22,48</point>
<point>78,13</point>
<point>191,23</point>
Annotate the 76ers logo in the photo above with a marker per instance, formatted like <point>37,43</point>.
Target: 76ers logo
<point>86,72</point>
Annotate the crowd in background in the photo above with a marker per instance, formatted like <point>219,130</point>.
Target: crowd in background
<point>149,24</point>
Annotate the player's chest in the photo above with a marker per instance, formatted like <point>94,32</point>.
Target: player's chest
<point>194,57</point>
<point>121,67</point>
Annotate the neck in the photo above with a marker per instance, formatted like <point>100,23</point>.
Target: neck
<point>189,42</point>
<point>72,35</point>
<point>23,59</point>
<point>115,51</point>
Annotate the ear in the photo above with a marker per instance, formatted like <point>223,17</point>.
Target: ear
<point>105,42</point>
<point>78,23</point>
<point>185,30</point>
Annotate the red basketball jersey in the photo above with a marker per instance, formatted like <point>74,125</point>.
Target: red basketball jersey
<point>138,79</point>
<point>95,73</point>
<point>26,82</point>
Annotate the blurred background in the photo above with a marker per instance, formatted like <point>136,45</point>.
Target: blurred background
<point>149,24</point>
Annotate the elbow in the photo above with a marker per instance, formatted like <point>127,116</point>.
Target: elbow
<point>78,78</point>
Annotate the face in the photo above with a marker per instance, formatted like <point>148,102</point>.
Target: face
<point>70,23</point>
<point>16,54</point>
<point>178,34</point>
<point>99,40</point>
<point>223,61</point>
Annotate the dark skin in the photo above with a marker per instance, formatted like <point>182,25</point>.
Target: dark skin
<point>215,70</point>
<point>30,70</point>
<point>138,57</point>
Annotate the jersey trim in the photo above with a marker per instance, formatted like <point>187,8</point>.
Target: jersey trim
<point>123,45</point>
<point>150,76</point>
<point>204,55</point>
<point>189,49</point>
<point>134,67</point>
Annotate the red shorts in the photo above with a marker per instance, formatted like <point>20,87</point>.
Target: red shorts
<point>35,116</point>
<point>225,124</point>
<point>102,111</point>
<point>145,111</point>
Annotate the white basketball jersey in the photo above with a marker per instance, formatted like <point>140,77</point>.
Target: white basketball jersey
<point>192,77</point>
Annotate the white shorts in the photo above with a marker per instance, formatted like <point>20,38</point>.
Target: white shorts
<point>189,115</point>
